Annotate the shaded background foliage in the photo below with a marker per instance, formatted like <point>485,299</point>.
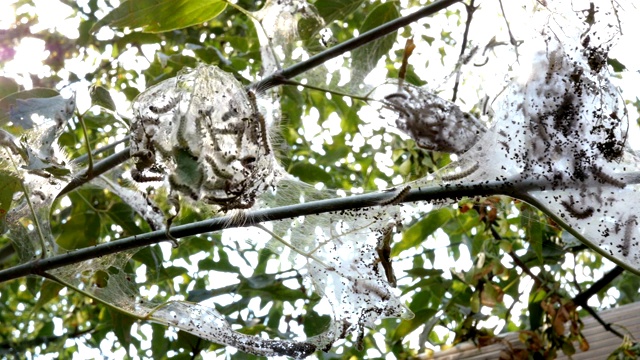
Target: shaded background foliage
<point>508,243</point>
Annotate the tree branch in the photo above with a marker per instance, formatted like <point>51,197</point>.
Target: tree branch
<point>351,44</point>
<point>432,193</point>
<point>85,157</point>
<point>99,168</point>
<point>583,297</point>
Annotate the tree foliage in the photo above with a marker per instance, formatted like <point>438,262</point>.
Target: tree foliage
<point>469,263</point>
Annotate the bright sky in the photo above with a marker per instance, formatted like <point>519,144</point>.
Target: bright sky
<point>54,15</point>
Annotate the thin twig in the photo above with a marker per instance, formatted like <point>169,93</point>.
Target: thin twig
<point>512,38</point>
<point>108,147</point>
<point>89,169</point>
<point>516,260</point>
<point>293,248</point>
<point>465,39</point>
<point>99,168</point>
<point>317,88</point>
<point>583,297</point>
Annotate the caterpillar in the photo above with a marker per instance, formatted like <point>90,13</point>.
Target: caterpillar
<point>578,214</point>
<point>462,174</point>
<point>258,116</point>
<point>165,108</point>
<point>403,96</point>
<point>628,233</point>
<point>397,198</point>
<point>606,178</point>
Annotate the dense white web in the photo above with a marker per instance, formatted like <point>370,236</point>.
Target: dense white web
<point>559,136</point>
<point>203,131</point>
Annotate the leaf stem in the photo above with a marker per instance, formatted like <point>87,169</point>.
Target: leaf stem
<point>89,169</point>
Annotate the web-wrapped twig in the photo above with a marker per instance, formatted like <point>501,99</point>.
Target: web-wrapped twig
<point>434,123</point>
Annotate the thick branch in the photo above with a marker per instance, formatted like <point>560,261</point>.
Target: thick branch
<point>432,193</point>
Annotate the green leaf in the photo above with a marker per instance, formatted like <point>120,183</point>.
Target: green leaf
<point>48,292</point>
<point>161,15</point>
<point>121,324</point>
<point>9,184</point>
<point>407,326</point>
<point>475,302</point>
<point>101,97</point>
<point>123,215</point>
<point>315,324</point>
<point>616,65</point>
<point>7,86</point>
<point>535,311</point>
<point>422,272</point>
<point>82,229</point>
<point>190,342</point>
<point>310,173</point>
<point>418,232</point>
<point>534,230</point>
<point>336,9</point>
<point>366,57</point>
<point>46,330</point>
<point>261,281</point>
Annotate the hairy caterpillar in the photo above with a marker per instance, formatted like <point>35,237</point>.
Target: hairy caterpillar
<point>628,233</point>
<point>397,198</point>
<point>606,178</point>
<point>384,254</point>
<point>576,213</point>
<point>462,174</point>
<point>258,116</point>
<point>164,108</point>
